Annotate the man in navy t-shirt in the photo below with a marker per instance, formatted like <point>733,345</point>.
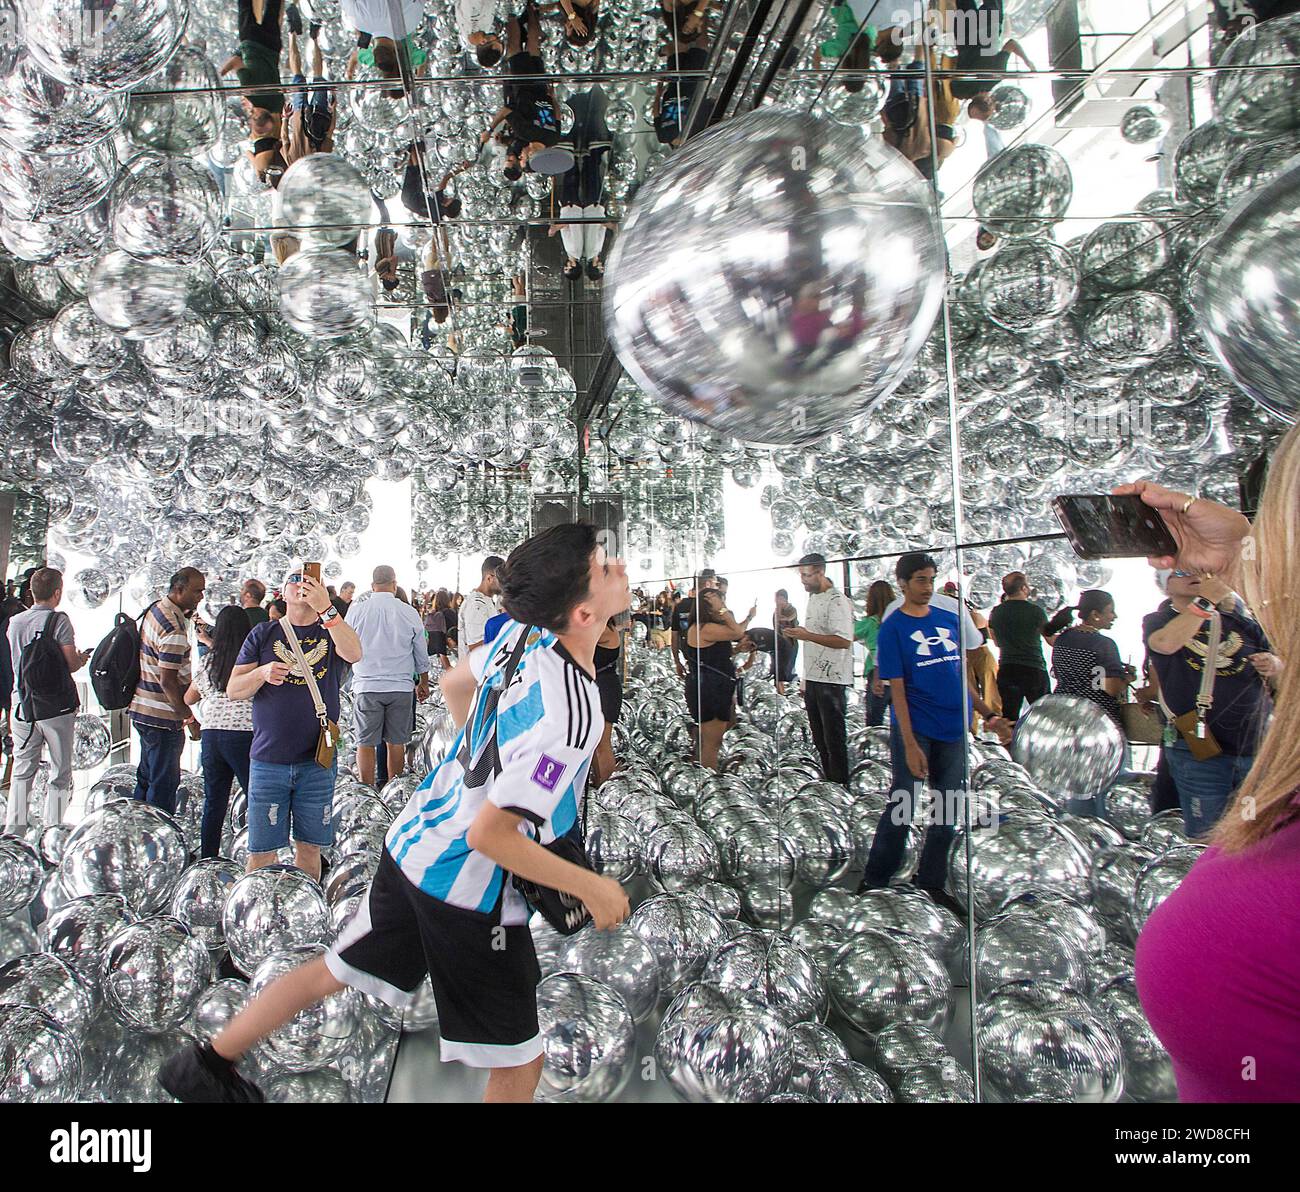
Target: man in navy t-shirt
<point>919,654</point>
<point>286,786</point>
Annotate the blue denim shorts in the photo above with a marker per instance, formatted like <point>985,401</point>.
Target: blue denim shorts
<point>302,792</point>
<point>318,98</point>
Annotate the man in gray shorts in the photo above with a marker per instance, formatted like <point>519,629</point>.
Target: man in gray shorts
<point>394,661</point>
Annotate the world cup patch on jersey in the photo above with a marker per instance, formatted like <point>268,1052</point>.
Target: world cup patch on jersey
<point>548,772</point>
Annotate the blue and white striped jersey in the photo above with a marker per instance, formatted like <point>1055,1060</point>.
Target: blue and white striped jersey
<point>540,734</point>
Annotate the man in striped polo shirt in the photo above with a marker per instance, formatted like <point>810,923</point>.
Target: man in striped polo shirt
<point>159,710</point>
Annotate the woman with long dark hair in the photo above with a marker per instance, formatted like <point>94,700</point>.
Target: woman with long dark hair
<point>711,672</point>
<point>879,596</point>
<point>440,625</point>
<point>227,725</point>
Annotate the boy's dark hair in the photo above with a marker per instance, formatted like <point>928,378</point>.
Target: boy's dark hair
<point>488,56</point>
<point>513,173</point>
<point>451,208</point>
<point>546,576</point>
<point>912,562</point>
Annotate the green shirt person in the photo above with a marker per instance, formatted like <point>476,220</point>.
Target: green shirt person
<point>846,26</point>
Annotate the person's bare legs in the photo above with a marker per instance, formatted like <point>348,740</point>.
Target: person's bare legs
<point>307,858</point>
<point>366,764</point>
<point>295,58</point>
<point>508,1085</point>
<point>711,734</point>
<point>275,1006</point>
<point>396,759</point>
<point>514,37</point>
<point>260,861</point>
<point>317,61</point>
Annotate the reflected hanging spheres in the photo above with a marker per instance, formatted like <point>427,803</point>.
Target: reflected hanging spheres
<point>1246,293</point>
<point>776,278</point>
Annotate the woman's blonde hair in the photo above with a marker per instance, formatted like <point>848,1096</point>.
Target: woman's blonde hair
<point>1270,580</point>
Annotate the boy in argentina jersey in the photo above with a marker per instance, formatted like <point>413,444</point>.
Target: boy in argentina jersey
<point>541,734</point>
<point>442,903</point>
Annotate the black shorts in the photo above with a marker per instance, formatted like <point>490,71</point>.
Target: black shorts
<point>484,975</point>
<point>710,697</point>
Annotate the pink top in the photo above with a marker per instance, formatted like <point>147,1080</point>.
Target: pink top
<point>1218,972</point>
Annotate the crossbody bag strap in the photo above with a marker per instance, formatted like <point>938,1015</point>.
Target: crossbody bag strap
<point>316,700</point>
<point>1205,696</point>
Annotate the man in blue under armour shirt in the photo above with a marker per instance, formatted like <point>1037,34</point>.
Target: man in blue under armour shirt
<point>919,654</point>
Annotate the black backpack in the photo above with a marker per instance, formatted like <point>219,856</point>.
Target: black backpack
<point>45,686</point>
<point>115,665</point>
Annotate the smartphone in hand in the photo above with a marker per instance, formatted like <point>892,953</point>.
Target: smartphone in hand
<point>312,569</point>
<point>1100,526</point>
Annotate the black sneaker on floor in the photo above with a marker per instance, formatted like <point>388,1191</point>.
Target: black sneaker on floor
<point>294,20</point>
<point>198,1076</point>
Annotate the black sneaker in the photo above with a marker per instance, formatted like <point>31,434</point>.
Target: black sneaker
<point>313,31</point>
<point>595,270</point>
<point>198,1076</point>
<point>294,19</point>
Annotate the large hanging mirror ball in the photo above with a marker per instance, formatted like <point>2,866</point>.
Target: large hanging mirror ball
<point>776,278</point>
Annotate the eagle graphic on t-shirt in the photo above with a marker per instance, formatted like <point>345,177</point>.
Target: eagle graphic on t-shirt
<point>314,656</point>
<point>1231,660</point>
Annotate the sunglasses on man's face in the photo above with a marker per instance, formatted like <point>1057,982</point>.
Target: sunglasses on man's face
<point>295,578</point>
<point>1183,574</point>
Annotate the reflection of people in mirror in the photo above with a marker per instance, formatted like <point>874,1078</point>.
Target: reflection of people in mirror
<point>477,24</point>
<point>529,109</point>
<point>386,40</point>
<point>257,64</point>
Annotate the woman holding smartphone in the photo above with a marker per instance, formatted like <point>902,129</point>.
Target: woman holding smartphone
<point>1218,963</point>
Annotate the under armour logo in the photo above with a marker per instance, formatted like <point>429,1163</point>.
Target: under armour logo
<point>943,638</point>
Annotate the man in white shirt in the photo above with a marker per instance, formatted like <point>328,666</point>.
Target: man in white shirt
<point>479,608</point>
<point>394,660</point>
<point>827,634</point>
<point>478,22</point>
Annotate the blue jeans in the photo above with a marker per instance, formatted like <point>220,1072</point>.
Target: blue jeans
<point>301,793</point>
<point>876,705</point>
<point>159,772</point>
<point>946,760</point>
<point>1204,788</point>
<point>224,753</point>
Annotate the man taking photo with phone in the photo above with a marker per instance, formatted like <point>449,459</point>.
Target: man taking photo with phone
<point>289,793</point>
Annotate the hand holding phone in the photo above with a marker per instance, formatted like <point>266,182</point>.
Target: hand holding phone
<point>1100,526</point>
<point>312,569</point>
